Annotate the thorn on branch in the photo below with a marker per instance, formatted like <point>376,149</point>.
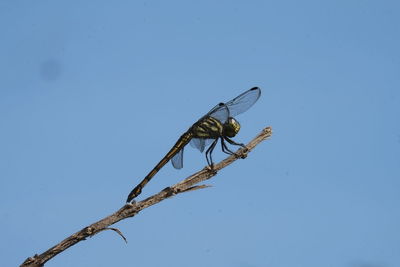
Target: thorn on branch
<point>192,188</point>
<point>115,230</point>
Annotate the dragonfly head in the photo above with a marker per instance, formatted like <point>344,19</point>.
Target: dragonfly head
<point>231,127</point>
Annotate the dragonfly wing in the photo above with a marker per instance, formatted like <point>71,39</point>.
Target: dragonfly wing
<point>243,102</point>
<point>236,106</point>
<point>177,160</point>
<point>200,143</point>
<point>219,112</point>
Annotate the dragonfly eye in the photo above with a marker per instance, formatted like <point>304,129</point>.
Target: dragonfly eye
<point>231,127</point>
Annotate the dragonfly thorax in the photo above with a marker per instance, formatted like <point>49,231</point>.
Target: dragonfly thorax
<point>231,127</point>
<point>207,128</point>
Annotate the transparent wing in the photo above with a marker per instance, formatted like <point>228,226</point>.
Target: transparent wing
<point>243,102</point>
<point>177,160</point>
<point>236,106</point>
<point>200,143</point>
<point>219,112</point>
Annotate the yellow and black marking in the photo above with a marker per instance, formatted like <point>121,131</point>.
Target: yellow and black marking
<point>231,127</point>
<point>207,128</point>
<point>180,144</point>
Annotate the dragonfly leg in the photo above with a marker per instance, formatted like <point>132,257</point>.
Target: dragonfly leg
<point>225,148</point>
<point>208,154</point>
<point>230,141</point>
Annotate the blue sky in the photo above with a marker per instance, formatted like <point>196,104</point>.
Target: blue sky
<point>93,94</point>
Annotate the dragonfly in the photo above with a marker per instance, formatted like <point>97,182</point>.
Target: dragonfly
<point>218,124</point>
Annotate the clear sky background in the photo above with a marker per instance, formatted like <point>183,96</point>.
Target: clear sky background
<point>94,93</point>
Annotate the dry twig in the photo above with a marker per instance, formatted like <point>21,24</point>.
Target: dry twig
<point>130,210</point>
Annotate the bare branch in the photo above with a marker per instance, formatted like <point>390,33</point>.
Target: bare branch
<point>130,210</point>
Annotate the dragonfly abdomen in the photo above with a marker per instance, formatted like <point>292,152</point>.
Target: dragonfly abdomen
<point>180,144</point>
